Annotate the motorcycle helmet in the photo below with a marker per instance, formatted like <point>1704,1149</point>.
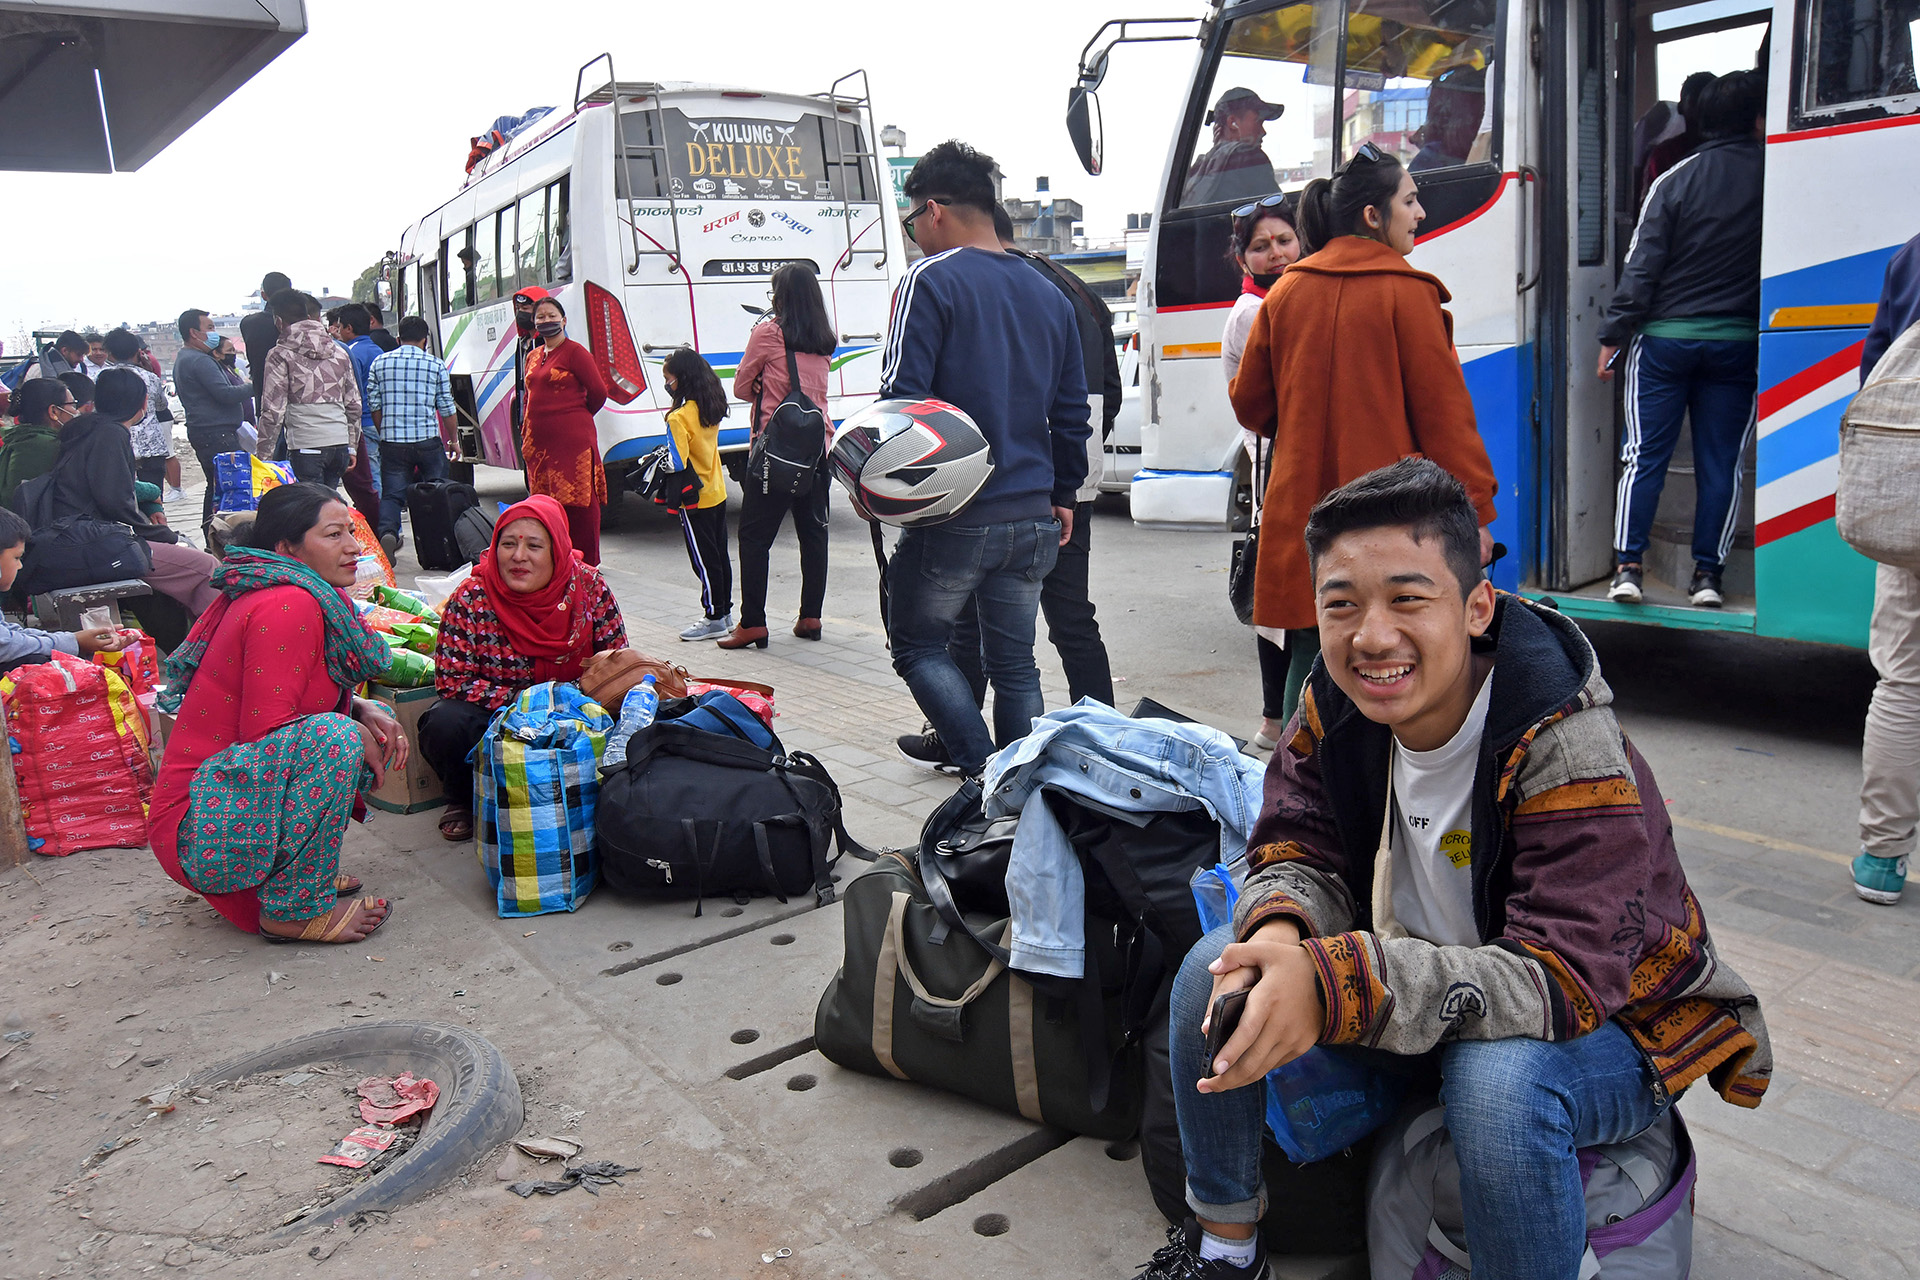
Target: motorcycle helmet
<point>910,462</point>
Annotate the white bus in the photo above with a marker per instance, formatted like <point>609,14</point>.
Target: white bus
<point>657,214</point>
<point>1516,117</point>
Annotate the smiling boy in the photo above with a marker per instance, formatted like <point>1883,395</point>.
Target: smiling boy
<point>1461,861</point>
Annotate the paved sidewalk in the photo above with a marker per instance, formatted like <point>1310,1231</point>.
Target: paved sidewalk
<point>683,1045</point>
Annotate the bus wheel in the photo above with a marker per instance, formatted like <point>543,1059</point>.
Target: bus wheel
<point>1240,510</point>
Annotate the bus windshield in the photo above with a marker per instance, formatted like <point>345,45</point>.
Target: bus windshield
<point>1415,84</point>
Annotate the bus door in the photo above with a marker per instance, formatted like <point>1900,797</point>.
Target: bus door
<point>1584,223</point>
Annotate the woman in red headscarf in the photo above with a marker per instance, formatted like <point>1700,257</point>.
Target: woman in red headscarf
<point>532,611</point>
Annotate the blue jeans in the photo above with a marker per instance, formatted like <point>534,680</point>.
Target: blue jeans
<point>929,580</point>
<point>1518,1111</point>
<point>1712,384</point>
<point>403,464</point>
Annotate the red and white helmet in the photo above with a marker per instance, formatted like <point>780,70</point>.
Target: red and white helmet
<point>910,462</point>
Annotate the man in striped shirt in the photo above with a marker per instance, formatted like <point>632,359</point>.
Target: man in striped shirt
<point>411,398</point>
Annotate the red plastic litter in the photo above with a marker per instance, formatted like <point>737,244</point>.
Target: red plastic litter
<point>386,1100</point>
<point>359,1146</point>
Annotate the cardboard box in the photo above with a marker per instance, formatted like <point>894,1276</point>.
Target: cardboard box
<point>417,786</point>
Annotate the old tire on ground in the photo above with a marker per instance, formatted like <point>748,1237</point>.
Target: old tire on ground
<point>479,1106</point>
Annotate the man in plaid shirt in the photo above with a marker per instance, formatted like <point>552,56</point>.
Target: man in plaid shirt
<point>411,397</point>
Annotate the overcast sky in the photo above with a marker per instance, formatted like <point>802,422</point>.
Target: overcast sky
<point>315,165</point>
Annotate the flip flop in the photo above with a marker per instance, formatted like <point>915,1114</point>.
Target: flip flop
<point>461,820</point>
<point>327,929</point>
<point>344,884</point>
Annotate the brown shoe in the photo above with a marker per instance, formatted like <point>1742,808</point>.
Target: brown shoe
<point>807,628</point>
<point>744,636</point>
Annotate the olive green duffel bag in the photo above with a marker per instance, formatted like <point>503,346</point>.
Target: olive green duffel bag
<point>947,1013</point>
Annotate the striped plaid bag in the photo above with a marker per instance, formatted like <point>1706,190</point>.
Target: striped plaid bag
<point>536,775</point>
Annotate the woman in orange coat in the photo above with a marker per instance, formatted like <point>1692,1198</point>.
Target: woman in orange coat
<point>559,439</point>
<point>1349,367</point>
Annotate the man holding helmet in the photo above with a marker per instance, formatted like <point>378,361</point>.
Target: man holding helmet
<point>978,328</point>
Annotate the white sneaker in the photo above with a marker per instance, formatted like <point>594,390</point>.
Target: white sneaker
<point>173,494</point>
<point>708,628</point>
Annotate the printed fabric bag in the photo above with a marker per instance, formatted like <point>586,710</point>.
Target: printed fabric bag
<point>1639,1196</point>
<point>537,778</point>
<point>1877,497</point>
<point>79,743</point>
<point>138,664</point>
<point>240,480</point>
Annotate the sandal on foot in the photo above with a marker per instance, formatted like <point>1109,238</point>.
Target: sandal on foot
<point>336,924</point>
<point>344,884</point>
<point>457,825</point>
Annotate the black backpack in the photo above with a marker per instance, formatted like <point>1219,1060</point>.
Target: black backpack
<point>694,814</point>
<point>435,507</point>
<point>788,446</point>
<point>73,551</point>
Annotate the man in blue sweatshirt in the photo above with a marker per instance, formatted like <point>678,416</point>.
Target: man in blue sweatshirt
<point>979,328</point>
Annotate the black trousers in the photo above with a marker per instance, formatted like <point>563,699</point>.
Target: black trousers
<point>1273,677</point>
<point>706,530</point>
<point>151,471</point>
<point>208,443</point>
<point>449,731</point>
<point>760,520</point>
<point>1072,629</point>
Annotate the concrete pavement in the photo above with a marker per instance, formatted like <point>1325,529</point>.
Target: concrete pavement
<point>682,1045</point>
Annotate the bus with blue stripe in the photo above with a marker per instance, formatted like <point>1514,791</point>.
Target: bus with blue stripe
<point>656,213</point>
<point>1517,121</point>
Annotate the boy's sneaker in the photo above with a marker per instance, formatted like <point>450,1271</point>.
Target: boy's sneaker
<point>173,494</point>
<point>1879,879</point>
<point>1179,1259</point>
<point>1704,590</point>
<point>927,751</point>
<point>1626,585</point>
<point>709,628</point>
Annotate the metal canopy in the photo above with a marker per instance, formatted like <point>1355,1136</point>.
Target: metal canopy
<point>92,87</point>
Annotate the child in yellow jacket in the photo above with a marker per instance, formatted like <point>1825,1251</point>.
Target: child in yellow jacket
<point>693,425</point>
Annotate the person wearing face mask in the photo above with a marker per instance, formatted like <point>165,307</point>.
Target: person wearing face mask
<point>1348,367</point>
<point>525,340</point>
<point>214,405</point>
<point>41,408</point>
<point>1263,241</point>
<point>558,439</point>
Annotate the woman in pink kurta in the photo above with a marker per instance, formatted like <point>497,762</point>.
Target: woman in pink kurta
<point>270,751</point>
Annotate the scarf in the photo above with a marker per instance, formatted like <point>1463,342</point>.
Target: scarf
<point>354,651</point>
<point>1252,285</point>
<point>554,625</point>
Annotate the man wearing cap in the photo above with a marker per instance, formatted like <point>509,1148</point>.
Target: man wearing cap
<point>1237,167</point>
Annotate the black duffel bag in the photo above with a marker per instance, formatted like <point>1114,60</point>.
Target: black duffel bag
<point>696,814</point>
<point>77,551</point>
<point>917,1000</point>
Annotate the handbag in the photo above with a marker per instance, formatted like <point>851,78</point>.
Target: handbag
<point>786,450</point>
<point>1244,566</point>
<point>537,779</point>
<point>80,756</point>
<point>79,551</point>
<point>1876,511</point>
<point>610,673</point>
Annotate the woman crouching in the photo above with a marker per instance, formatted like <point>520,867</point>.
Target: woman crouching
<point>271,751</point>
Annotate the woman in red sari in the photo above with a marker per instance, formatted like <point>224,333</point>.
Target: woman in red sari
<point>271,752</point>
<point>559,440</point>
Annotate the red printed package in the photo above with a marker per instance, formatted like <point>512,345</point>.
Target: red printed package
<point>79,743</point>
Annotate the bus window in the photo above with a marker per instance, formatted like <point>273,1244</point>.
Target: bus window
<point>487,242</point>
<point>561,235</point>
<point>846,176</point>
<point>644,176</point>
<point>1417,83</point>
<point>532,238</point>
<point>459,278</point>
<point>1272,93</point>
<point>1860,51</point>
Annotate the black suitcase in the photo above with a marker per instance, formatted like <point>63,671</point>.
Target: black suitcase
<point>433,507</point>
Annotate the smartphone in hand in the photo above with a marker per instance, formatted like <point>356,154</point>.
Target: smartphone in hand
<point>1223,1020</point>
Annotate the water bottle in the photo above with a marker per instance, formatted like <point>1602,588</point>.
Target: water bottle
<point>636,713</point>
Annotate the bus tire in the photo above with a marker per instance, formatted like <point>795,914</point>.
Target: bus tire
<point>479,1107</point>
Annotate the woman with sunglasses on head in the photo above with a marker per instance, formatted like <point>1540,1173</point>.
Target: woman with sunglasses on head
<point>1262,242</point>
<point>1349,366</point>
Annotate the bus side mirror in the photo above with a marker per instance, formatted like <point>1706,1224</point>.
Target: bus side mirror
<point>1083,126</point>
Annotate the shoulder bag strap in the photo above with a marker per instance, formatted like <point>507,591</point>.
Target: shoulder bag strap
<point>1384,923</point>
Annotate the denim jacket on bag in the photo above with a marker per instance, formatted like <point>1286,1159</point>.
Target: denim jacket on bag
<point>1129,769</point>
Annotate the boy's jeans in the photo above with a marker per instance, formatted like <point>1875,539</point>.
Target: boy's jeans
<point>932,574</point>
<point>1517,1110</point>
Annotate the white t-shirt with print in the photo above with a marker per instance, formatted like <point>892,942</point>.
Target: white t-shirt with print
<point>1433,833</point>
